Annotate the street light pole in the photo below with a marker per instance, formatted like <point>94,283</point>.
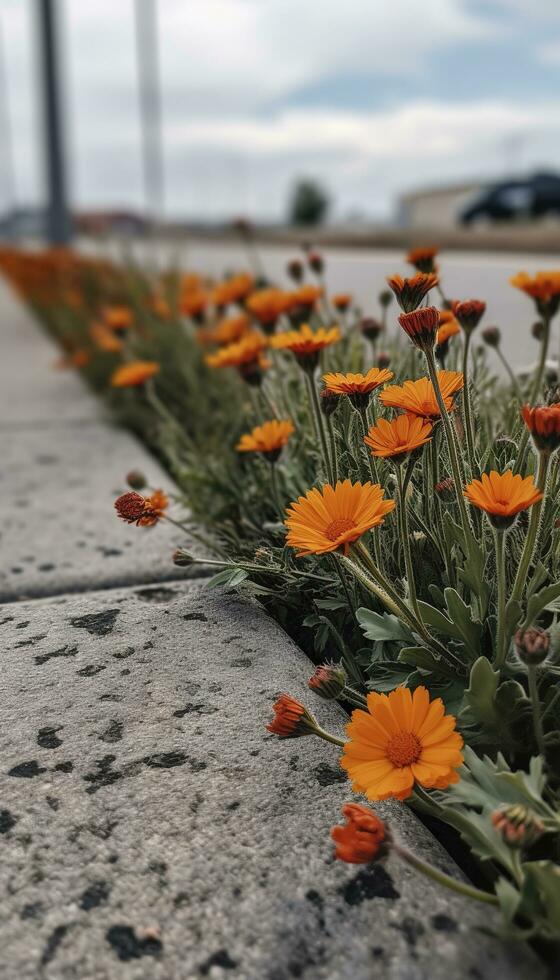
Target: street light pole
<point>150,107</point>
<point>58,218</point>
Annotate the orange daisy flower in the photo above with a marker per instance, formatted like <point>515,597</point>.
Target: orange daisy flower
<point>247,355</point>
<point>117,317</point>
<point>448,327</point>
<point>334,517</point>
<point>104,338</point>
<point>193,304</point>
<point>419,396</point>
<point>543,287</point>
<point>267,305</point>
<point>396,439</point>
<point>409,293</point>
<point>421,326</point>
<point>291,718</point>
<point>423,259</point>
<point>359,840</point>
<point>357,386</point>
<point>133,374</point>
<point>268,439</point>
<point>401,739</point>
<point>306,297</point>
<point>502,496</point>
<point>233,290</point>
<point>341,301</point>
<point>305,343</point>
<point>226,331</point>
<point>544,425</point>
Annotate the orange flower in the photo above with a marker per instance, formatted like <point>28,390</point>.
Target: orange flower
<point>267,439</point>
<point>409,293</point>
<point>400,740</point>
<point>266,305</point>
<point>233,290</point>
<point>117,317</point>
<point>193,304</point>
<point>334,517</point>
<point>543,287</point>
<point>469,313</point>
<point>357,386</point>
<point>398,438</point>
<point>305,343</point>
<point>423,258</point>
<point>133,374</point>
<point>306,296</point>
<point>544,425</point>
<point>341,301</point>
<point>291,718</point>
<point>160,307</point>
<point>104,338</point>
<point>448,327</point>
<point>421,326</point>
<point>360,839</point>
<point>419,396</point>
<point>248,350</point>
<point>502,496</point>
<point>226,331</point>
<point>133,508</point>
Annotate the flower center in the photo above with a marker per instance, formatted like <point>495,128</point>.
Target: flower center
<point>338,527</point>
<point>403,749</point>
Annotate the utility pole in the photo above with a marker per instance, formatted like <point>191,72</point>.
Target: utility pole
<point>58,217</point>
<point>150,107</point>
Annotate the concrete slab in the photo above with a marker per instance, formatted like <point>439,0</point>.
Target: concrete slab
<point>58,529</point>
<point>151,829</point>
<point>32,390</point>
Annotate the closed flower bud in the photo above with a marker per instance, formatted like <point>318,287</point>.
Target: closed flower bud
<point>130,506</point>
<point>295,270</point>
<point>182,558</point>
<point>360,840</point>
<point>315,262</point>
<point>136,480</point>
<point>383,359</point>
<point>469,313</point>
<point>491,336</point>
<point>385,298</point>
<point>371,328</point>
<point>328,681</point>
<point>421,326</point>
<point>445,490</point>
<point>291,719</point>
<point>532,646</point>
<point>329,402</point>
<point>518,825</point>
<point>410,292</point>
<point>538,330</point>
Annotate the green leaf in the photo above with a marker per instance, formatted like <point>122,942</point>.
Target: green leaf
<point>513,616</point>
<point>480,695</point>
<point>546,878</point>
<point>508,897</point>
<point>229,576</point>
<point>382,627</point>
<point>539,601</point>
<point>433,617</point>
<point>461,615</point>
<point>426,660</point>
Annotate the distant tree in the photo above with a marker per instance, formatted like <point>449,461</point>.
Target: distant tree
<point>309,203</point>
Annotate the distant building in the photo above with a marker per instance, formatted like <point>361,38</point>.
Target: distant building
<point>436,207</point>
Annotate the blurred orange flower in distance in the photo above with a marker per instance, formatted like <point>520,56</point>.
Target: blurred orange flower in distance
<point>334,517</point>
<point>268,438</point>
<point>423,258</point>
<point>419,396</point>
<point>341,301</point>
<point>267,305</point>
<point>396,439</point>
<point>351,384</point>
<point>232,290</point>
<point>193,304</point>
<point>133,374</point>
<point>306,343</point>
<point>448,327</point>
<point>306,296</point>
<point>117,317</point>
<point>227,331</point>
<point>502,495</point>
<point>543,286</point>
<point>359,840</point>
<point>403,738</point>
<point>245,351</point>
<point>73,359</point>
<point>105,339</point>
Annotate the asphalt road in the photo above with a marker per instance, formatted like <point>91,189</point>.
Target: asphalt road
<point>465,275</point>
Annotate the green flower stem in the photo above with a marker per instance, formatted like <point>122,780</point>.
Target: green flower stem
<point>469,891</point>
<point>334,454</point>
<point>531,540</point>
<point>536,708</point>
<point>396,608</point>
<point>318,417</point>
<point>542,360</point>
<point>451,440</point>
<point>405,535</point>
<point>164,414</point>
<point>362,412</point>
<point>501,639</point>
<point>275,490</point>
<point>327,737</point>
<point>469,430</point>
<point>511,375</point>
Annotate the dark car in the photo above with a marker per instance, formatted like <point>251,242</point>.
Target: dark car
<point>534,197</point>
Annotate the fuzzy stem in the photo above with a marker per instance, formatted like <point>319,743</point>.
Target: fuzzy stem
<point>542,360</point>
<point>327,737</point>
<point>318,417</point>
<point>469,891</point>
<point>531,540</point>
<point>334,454</point>
<point>405,535</point>
<point>469,431</point>
<point>536,707</point>
<point>501,640</point>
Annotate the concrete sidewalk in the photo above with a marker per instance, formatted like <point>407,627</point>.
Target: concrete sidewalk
<point>149,826</point>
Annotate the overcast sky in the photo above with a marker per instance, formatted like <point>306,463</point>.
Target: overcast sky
<point>371,97</point>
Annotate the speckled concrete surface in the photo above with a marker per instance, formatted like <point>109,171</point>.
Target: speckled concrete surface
<point>150,828</point>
